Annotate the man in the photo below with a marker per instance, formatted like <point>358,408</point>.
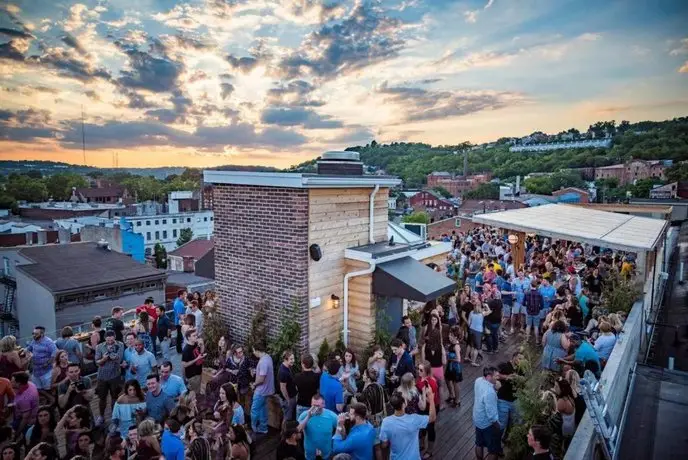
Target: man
<point>43,351</point>
<point>493,322</point>
<point>400,363</point>
<point>179,310</point>
<point>307,384</point>
<point>171,444</point>
<point>149,307</point>
<point>506,394</point>
<point>158,403</point>
<point>263,386</point>
<point>331,387</point>
<point>290,446</point>
<point>129,351</point>
<point>192,361</point>
<point>317,425</point>
<point>115,448</point>
<point>490,274</point>
<point>486,416</point>
<point>171,384</point>
<point>68,343</point>
<point>116,324</point>
<point>400,431</point>
<point>76,390</point>
<point>407,334</point>
<point>164,332</point>
<point>533,304</point>
<point>26,402</point>
<point>193,309</point>
<point>360,440</point>
<point>548,293</point>
<point>287,386</point>
<point>539,438</point>
<point>520,286</point>
<point>140,363</point>
<point>109,356</point>
<point>6,393</point>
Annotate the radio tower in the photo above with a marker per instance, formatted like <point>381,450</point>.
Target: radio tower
<point>83,134</point>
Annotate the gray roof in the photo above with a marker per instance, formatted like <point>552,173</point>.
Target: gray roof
<point>63,268</point>
<point>186,279</point>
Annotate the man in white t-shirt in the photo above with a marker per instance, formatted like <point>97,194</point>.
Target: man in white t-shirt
<point>400,431</point>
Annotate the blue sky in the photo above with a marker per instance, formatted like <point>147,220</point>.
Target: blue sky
<point>275,82</point>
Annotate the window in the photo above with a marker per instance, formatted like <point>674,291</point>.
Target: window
<point>138,223</point>
<point>164,221</point>
<point>157,236</point>
<point>157,222</point>
<point>148,222</point>
<point>211,218</point>
<point>457,223</point>
<point>164,234</point>
<point>205,219</point>
<point>198,219</point>
<point>148,236</point>
<point>174,221</point>
<point>174,233</point>
<point>188,219</point>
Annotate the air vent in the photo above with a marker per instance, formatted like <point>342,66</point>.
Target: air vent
<point>340,164</point>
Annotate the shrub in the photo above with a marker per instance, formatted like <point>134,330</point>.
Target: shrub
<point>213,329</point>
<point>259,333</point>
<point>288,337</point>
<point>323,352</point>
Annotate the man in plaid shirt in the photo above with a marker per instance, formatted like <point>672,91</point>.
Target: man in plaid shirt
<point>533,303</point>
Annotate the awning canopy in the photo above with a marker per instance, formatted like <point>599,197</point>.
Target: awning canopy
<point>576,223</point>
<point>409,279</point>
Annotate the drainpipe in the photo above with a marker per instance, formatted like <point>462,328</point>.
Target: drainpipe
<point>366,271</point>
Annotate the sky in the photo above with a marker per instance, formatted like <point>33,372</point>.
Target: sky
<point>277,82</point>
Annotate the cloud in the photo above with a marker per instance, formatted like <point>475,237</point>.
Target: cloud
<point>364,38</point>
<point>11,51</point>
<point>294,93</point>
<point>13,33</point>
<point>244,64</point>
<point>421,104</point>
<point>227,89</point>
<point>489,4</point>
<point>72,42</point>
<point>70,65</point>
<point>150,73</point>
<point>355,135</point>
<point>471,17</point>
<point>25,125</point>
<point>681,49</point>
<point>298,116</point>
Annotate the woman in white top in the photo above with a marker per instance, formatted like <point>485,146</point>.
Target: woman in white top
<point>604,344</point>
<point>128,405</point>
<point>476,321</point>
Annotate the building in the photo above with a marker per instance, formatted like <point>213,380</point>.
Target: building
<point>432,203</point>
<point>582,144</point>
<point>120,236</point>
<point>15,227</point>
<point>663,192</point>
<point>571,195</point>
<point>52,210</point>
<point>633,170</point>
<point>317,243</point>
<point>207,197</point>
<point>59,285</point>
<point>196,256</point>
<point>187,281</point>
<point>456,185</point>
<point>471,207</point>
<point>183,201</point>
<point>108,193</point>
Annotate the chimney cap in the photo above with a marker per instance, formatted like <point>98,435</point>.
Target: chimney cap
<point>343,155</point>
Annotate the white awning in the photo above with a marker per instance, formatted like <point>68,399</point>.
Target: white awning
<point>575,223</point>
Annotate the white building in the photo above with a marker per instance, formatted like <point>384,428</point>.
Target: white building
<point>392,202</point>
<point>166,228</point>
<point>11,226</point>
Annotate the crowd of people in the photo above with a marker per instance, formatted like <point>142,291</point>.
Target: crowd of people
<point>342,408</point>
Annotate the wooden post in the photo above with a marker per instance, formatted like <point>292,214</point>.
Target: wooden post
<point>518,251</point>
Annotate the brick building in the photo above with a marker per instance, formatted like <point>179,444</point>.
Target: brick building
<point>315,241</point>
<point>107,194</point>
<point>632,170</point>
<point>578,194</point>
<point>430,201</point>
<point>456,185</point>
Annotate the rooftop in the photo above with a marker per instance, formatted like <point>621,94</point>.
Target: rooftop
<point>194,248</point>
<point>599,228</point>
<point>64,268</point>
<point>71,206</point>
<point>186,279</point>
<point>297,180</point>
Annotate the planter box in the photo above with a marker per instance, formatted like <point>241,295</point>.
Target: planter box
<point>274,412</point>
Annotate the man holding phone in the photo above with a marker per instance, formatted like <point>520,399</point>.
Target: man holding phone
<point>109,356</point>
<point>76,390</point>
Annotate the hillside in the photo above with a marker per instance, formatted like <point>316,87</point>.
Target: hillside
<point>665,140</point>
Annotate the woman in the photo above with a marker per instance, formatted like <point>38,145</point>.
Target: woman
<point>84,446</point>
<point>68,343</point>
<point>43,451</point>
<point>554,423</point>
<point>452,311</point>
<point>556,345</point>
<point>615,323</point>
<point>434,352</point>
<point>209,299</point>
<point>128,406</point>
<point>198,445</point>
<point>379,363</point>
<point>221,375</point>
<point>426,380</point>
<point>454,373</point>
<point>142,328</point>
<point>348,373</point>
<point>476,325</point>
<point>604,344</point>
<point>148,446</point>
<point>566,406</point>
<point>407,389</point>
<point>60,369</point>
<point>11,452</point>
<point>76,420</point>
<point>574,381</point>
<point>186,410</point>
<point>574,314</point>
<point>43,430</point>
<point>10,359</point>
<point>374,397</point>
<point>223,410</point>
<point>189,323</point>
<point>240,446</point>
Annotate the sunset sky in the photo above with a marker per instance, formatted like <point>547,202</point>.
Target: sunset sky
<point>277,82</point>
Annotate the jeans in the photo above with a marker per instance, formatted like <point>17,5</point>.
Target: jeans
<point>288,408</point>
<point>300,410</point>
<point>259,414</point>
<point>493,337</point>
<point>165,348</point>
<point>507,413</point>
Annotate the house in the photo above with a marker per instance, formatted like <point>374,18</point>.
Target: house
<point>470,207</point>
<point>120,236</point>
<point>634,169</point>
<point>572,195</point>
<point>317,243</point>
<point>58,285</point>
<point>430,202</point>
<point>456,185</point>
<point>663,192</point>
<point>109,193</point>
<point>187,281</point>
<point>196,256</point>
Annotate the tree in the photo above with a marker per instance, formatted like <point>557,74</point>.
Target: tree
<point>642,187</point>
<point>417,218</point>
<point>677,172</point>
<point>185,235</point>
<point>24,188</point>
<point>34,174</point>
<point>7,201</point>
<point>443,192</point>
<point>60,185</point>
<point>483,192</point>
<point>160,254</point>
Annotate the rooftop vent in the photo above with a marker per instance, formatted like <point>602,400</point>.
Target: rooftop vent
<point>340,164</point>
<point>104,245</point>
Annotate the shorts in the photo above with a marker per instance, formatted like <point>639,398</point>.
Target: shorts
<point>533,320</point>
<point>43,382</point>
<point>438,373</point>
<point>476,339</point>
<point>544,312</point>
<point>489,438</point>
<point>517,308</point>
<point>506,311</point>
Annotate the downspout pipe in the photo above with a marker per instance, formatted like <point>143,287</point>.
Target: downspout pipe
<point>366,271</point>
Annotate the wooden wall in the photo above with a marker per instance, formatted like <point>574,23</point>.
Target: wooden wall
<point>339,219</point>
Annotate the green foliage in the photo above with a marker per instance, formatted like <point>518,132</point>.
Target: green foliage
<point>483,192</point>
<point>213,329</point>
<point>381,335</point>
<point>7,201</point>
<point>34,174</point>
<point>417,218</point>
<point>545,185</point>
<point>60,185</point>
<point>259,330</point>
<point>678,172</point>
<point>288,337</point>
<point>22,187</point>
<point>619,293</point>
<point>642,187</point>
<point>339,346</point>
<point>323,352</point>
<point>185,235</point>
<point>160,254</point>
<point>443,192</point>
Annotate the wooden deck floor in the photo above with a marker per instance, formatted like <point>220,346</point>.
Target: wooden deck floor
<point>455,432</point>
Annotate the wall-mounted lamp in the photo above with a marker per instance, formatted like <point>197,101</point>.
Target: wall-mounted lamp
<point>513,239</point>
<point>335,301</point>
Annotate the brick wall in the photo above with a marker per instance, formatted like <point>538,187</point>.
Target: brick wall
<point>261,249</point>
<point>446,226</point>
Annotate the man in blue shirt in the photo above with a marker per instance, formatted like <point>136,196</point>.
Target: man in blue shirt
<point>331,388</point>
<point>360,440</point>
<point>400,431</point>
<point>317,425</point>
<point>158,403</point>
<point>548,294</point>
<point>171,384</point>
<point>171,445</point>
<point>488,434</point>
<point>179,311</point>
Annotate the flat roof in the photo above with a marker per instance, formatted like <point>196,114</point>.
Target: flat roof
<point>575,223</point>
<point>626,208</point>
<point>297,180</point>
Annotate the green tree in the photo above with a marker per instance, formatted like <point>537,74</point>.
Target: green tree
<point>160,254</point>
<point>443,192</point>
<point>417,218</point>
<point>185,235</point>
<point>642,187</point>
<point>24,188</point>
<point>60,185</point>
<point>541,185</point>
<point>7,201</point>
<point>677,172</point>
<point>34,174</point>
<point>483,192</point>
